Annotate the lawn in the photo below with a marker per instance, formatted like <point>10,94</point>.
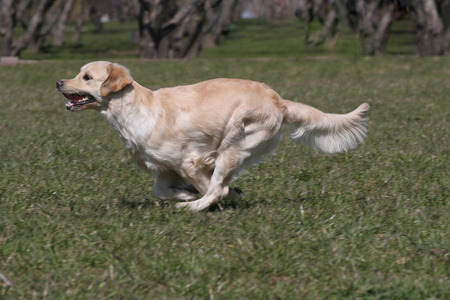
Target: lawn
<point>78,219</point>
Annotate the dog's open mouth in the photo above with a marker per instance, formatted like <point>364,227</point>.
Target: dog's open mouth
<point>75,101</point>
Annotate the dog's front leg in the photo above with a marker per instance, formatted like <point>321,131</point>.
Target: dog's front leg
<point>169,185</point>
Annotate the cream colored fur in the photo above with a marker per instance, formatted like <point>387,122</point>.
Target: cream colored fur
<point>204,134</point>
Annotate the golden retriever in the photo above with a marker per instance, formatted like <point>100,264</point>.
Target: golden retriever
<point>206,133</point>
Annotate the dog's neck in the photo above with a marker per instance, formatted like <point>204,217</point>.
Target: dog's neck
<point>127,115</point>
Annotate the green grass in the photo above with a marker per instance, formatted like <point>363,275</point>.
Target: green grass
<point>78,220</point>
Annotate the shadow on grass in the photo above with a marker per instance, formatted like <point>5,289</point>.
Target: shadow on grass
<point>227,204</point>
<point>145,204</point>
<point>150,203</point>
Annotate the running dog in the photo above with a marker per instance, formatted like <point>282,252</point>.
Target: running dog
<point>197,138</point>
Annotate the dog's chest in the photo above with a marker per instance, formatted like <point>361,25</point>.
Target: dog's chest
<point>135,128</point>
<point>147,156</point>
<point>144,158</point>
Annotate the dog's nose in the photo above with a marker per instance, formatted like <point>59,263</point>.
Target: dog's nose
<point>59,83</point>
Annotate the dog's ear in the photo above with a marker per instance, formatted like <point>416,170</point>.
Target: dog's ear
<point>118,78</point>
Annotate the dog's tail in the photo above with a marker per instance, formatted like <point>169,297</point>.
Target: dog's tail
<point>329,133</point>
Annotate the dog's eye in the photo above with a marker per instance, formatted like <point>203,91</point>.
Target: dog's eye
<point>87,77</point>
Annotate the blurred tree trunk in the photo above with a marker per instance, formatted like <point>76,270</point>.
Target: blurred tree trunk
<point>382,29</point>
<point>306,15</point>
<point>154,25</point>
<point>76,37</point>
<point>372,19</point>
<point>95,16</point>
<point>44,29</point>
<point>7,19</point>
<point>346,13</point>
<point>175,29</point>
<point>374,22</point>
<point>51,17</point>
<point>186,39</point>
<point>32,19</point>
<point>58,30</point>
<point>324,12</point>
<point>445,11</point>
<point>429,30</point>
<point>329,29</point>
<point>219,15</point>
<point>127,10</point>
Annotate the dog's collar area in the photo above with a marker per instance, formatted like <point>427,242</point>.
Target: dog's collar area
<point>76,101</point>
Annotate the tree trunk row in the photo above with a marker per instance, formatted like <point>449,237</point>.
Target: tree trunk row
<point>38,19</point>
<point>372,20</point>
<point>179,28</point>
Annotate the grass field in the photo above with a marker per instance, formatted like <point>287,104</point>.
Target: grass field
<point>78,220</point>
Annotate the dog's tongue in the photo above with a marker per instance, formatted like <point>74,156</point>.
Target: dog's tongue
<point>74,98</point>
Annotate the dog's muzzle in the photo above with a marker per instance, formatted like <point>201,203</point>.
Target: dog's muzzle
<point>75,101</point>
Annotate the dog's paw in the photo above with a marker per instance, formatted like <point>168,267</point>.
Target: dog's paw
<point>175,194</point>
<point>187,205</point>
<point>185,196</point>
<point>196,206</point>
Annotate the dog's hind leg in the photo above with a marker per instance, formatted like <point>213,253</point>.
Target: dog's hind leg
<point>199,174</point>
<point>247,141</point>
<point>170,185</point>
<point>218,189</point>
<point>198,170</point>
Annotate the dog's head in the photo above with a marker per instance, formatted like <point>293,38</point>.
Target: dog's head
<point>94,85</point>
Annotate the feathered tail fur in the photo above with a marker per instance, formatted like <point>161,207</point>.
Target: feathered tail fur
<point>329,133</point>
